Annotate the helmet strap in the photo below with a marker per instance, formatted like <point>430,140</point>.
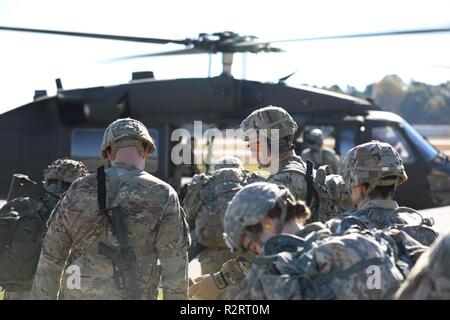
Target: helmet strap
<point>282,221</point>
<point>255,238</point>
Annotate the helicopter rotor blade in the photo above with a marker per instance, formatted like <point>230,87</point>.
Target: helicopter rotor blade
<point>99,36</point>
<point>373,34</point>
<point>158,54</point>
<point>346,36</point>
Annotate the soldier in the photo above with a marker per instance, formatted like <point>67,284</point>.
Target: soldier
<point>430,277</point>
<point>292,170</point>
<point>205,203</point>
<point>318,154</point>
<point>263,121</point>
<point>373,171</point>
<point>327,193</point>
<point>112,227</point>
<point>58,176</point>
<point>296,261</point>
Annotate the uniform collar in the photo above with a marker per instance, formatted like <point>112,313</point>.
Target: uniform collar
<point>380,203</point>
<point>293,158</point>
<point>122,165</point>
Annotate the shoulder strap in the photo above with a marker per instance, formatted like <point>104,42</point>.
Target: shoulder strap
<point>101,193</point>
<point>101,188</point>
<point>282,242</point>
<point>424,221</point>
<point>309,182</point>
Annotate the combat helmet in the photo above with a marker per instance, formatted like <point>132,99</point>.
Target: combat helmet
<point>375,163</point>
<point>249,206</point>
<point>226,162</point>
<point>60,174</point>
<point>271,117</point>
<point>314,138</point>
<point>124,133</point>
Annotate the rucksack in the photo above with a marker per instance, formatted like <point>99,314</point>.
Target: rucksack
<point>408,233</point>
<point>316,264</point>
<point>22,230</point>
<point>326,194</point>
<point>207,200</point>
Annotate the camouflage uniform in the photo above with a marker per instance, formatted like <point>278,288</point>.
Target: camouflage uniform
<point>430,277</point>
<point>155,224</point>
<point>379,164</point>
<point>320,265</point>
<point>290,177</point>
<point>318,154</point>
<point>292,169</point>
<point>57,178</point>
<point>329,189</point>
<point>208,193</point>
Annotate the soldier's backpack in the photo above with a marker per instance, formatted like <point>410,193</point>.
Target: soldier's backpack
<point>408,233</point>
<point>316,264</point>
<point>326,194</point>
<point>207,200</point>
<point>22,230</point>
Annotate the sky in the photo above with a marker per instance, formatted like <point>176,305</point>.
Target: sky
<point>31,61</point>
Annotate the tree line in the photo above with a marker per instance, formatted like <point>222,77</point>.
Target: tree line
<point>417,102</point>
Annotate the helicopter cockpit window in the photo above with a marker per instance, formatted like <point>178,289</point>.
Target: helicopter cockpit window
<point>86,143</point>
<point>428,151</point>
<point>394,137</point>
<point>85,146</point>
<point>347,137</point>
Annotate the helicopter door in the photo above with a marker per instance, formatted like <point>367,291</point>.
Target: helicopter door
<point>414,165</point>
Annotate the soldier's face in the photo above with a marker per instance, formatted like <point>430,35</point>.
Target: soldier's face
<point>316,147</point>
<point>249,245</point>
<point>57,186</point>
<point>261,152</point>
<point>356,194</point>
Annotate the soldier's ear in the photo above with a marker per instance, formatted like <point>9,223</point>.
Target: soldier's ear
<point>268,224</point>
<point>109,154</point>
<point>143,150</point>
<point>362,188</point>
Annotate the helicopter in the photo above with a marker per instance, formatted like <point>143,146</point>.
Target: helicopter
<point>71,123</point>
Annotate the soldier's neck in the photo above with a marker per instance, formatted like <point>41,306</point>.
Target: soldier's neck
<point>129,158</point>
<point>287,154</point>
<point>291,227</point>
<point>366,199</point>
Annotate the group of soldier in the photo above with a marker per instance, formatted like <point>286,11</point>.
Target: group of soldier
<point>305,232</point>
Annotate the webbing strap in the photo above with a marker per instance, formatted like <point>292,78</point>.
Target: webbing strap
<point>309,182</point>
<point>101,188</point>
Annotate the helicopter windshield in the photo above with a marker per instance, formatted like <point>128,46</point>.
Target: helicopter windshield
<point>428,151</point>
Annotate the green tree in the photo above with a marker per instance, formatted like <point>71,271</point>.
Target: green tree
<point>412,106</point>
<point>388,93</point>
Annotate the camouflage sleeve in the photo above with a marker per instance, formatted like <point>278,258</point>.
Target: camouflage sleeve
<point>172,243</point>
<point>192,202</point>
<point>294,181</point>
<point>430,276</point>
<point>56,247</point>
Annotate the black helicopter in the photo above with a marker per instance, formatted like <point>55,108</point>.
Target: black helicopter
<point>71,123</point>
